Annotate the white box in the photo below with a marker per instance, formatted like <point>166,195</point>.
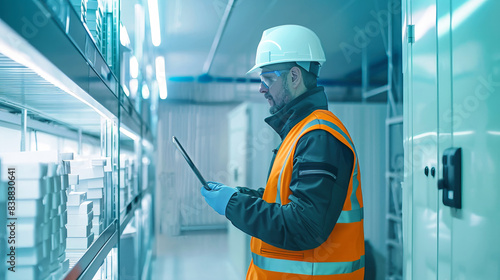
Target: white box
<point>27,235</point>
<point>64,181</point>
<point>97,220</point>
<point>76,198</point>
<point>56,224</point>
<point>98,206</point>
<point>62,257</point>
<point>64,218</point>
<point>62,208</point>
<point>65,156</point>
<point>47,203</point>
<point>37,220</point>
<point>63,235</point>
<point>83,208</point>
<point>73,179</point>
<point>94,193</point>
<point>92,183</point>
<point>64,197</point>
<point>30,189</point>
<point>90,173</point>
<point>77,164</point>
<point>46,248</point>
<point>65,166</point>
<point>31,156</point>
<point>56,181</point>
<point>65,265</point>
<point>53,265</point>
<point>79,231</point>
<point>24,171</point>
<point>108,167</point>
<point>55,239</point>
<point>51,169</point>
<point>57,274</point>
<point>97,229</point>
<point>56,200</point>
<point>80,219</point>
<point>46,229</point>
<point>79,243</point>
<point>98,162</point>
<point>49,185</point>
<point>29,208</point>
<point>29,256</point>
<point>25,272</point>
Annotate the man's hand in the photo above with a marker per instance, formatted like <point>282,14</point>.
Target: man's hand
<point>218,197</point>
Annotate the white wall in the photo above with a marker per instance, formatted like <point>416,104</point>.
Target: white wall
<point>202,130</point>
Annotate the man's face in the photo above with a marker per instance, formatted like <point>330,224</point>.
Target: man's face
<point>274,86</point>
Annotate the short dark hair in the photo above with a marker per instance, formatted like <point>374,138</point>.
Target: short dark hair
<point>310,80</point>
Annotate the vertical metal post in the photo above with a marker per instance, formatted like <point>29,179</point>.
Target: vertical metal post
<point>79,141</point>
<point>365,73</point>
<point>24,129</point>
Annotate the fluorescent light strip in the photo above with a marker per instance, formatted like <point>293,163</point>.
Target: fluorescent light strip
<point>134,67</point>
<point>145,91</point>
<point>129,133</point>
<point>161,76</point>
<point>154,22</point>
<point>134,87</point>
<point>124,38</point>
<point>17,49</point>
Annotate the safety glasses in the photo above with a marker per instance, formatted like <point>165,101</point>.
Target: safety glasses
<point>270,77</point>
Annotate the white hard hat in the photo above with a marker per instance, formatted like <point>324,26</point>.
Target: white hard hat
<point>288,43</point>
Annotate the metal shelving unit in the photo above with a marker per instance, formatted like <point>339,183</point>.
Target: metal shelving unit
<point>66,87</point>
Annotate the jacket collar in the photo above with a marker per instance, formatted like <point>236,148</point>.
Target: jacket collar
<point>298,109</point>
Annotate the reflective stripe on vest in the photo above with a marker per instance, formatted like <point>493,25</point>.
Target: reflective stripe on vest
<point>307,268</point>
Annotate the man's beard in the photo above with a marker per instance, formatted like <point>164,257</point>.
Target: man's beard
<point>286,97</point>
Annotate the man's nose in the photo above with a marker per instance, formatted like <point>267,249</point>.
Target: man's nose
<point>263,88</point>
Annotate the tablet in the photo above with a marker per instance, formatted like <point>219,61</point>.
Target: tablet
<point>190,162</point>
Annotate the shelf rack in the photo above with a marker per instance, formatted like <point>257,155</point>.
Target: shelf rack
<point>51,67</point>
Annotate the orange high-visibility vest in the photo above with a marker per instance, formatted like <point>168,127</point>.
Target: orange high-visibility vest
<point>341,256</point>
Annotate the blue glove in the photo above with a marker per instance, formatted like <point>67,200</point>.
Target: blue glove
<point>218,197</point>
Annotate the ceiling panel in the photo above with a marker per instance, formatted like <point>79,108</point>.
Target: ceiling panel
<point>191,25</point>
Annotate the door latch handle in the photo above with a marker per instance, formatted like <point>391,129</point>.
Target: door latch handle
<point>451,183</point>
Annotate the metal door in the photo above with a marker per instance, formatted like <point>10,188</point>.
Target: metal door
<point>421,130</point>
<point>469,236</point>
<point>452,95</point>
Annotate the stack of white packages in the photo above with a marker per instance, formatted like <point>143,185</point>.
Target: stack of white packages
<point>88,177</point>
<point>40,180</point>
<point>79,224</point>
<point>124,182</point>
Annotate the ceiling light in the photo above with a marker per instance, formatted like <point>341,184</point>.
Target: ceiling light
<point>161,77</point>
<point>154,22</point>
<point>145,91</point>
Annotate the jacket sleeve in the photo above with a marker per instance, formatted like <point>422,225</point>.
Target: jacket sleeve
<point>315,203</point>
<point>257,193</point>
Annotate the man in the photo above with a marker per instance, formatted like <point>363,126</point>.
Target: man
<point>308,221</point>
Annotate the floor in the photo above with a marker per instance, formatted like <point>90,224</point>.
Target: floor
<point>193,256</point>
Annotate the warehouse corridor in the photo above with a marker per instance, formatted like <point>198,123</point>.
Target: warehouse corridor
<point>249,139</point>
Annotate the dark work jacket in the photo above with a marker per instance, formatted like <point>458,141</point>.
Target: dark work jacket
<point>316,202</point>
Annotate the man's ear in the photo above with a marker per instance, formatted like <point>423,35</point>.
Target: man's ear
<point>296,76</point>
